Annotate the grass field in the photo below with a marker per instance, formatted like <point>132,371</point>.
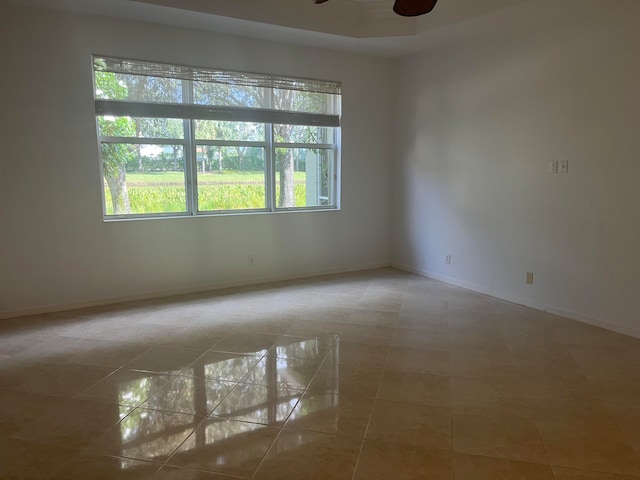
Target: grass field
<point>224,177</point>
<point>164,192</point>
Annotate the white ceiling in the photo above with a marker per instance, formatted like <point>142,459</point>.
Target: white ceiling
<point>367,26</point>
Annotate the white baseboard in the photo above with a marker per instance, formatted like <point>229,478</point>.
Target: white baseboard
<point>185,291</point>
<point>562,312</point>
<point>596,322</point>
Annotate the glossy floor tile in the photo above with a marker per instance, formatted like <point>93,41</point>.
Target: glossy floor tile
<point>381,460</point>
<point>477,467</point>
<point>312,455</point>
<point>411,424</point>
<point>361,376</point>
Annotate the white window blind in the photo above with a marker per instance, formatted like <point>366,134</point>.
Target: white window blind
<point>191,110</point>
<point>228,77</point>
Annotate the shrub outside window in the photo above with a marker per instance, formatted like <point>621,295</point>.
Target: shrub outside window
<point>178,140</point>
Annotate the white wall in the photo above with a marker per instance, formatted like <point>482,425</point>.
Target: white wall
<point>482,112</point>
<point>55,250</point>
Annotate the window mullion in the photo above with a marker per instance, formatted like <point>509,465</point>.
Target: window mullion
<point>190,164</point>
<point>142,140</point>
<point>337,168</point>
<point>232,143</point>
<point>322,146</point>
<point>270,190</point>
<point>270,158</point>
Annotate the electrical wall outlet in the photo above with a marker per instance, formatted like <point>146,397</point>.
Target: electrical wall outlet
<point>564,166</point>
<point>553,166</point>
<point>252,260</point>
<point>530,278</point>
<point>447,259</point>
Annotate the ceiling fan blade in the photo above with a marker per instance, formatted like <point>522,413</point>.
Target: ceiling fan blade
<point>412,8</point>
<point>408,8</point>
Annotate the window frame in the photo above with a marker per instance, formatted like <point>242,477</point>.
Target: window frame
<point>189,113</point>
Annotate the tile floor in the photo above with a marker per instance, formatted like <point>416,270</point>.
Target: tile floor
<point>372,375</point>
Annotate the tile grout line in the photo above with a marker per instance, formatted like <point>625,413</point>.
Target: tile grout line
<point>453,455</point>
<point>375,398</point>
<point>281,428</point>
<point>205,417</point>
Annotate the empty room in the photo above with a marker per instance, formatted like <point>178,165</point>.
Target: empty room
<point>320,240</point>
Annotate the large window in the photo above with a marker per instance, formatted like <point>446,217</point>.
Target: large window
<point>177,140</point>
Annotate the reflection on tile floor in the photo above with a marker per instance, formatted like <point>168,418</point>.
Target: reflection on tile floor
<point>369,375</point>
